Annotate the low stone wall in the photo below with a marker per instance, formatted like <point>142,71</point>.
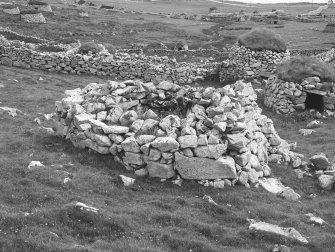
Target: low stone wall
<point>166,130</point>
<point>205,53</point>
<point>119,65</point>
<point>13,11</point>
<point>288,97</point>
<point>308,52</point>
<point>33,18</point>
<point>243,62</point>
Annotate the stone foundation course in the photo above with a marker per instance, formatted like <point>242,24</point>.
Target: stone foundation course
<point>166,130</point>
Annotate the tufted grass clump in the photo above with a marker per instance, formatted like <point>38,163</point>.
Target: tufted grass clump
<point>263,39</point>
<point>90,47</point>
<point>300,67</point>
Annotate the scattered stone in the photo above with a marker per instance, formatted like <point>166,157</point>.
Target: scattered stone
<point>210,200</point>
<point>280,248</point>
<point>290,232</point>
<point>306,132</point>
<point>320,161</point>
<point>11,111</point>
<point>326,182</point>
<point>33,164</point>
<point>315,220</point>
<point>314,124</point>
<point>289,194</point>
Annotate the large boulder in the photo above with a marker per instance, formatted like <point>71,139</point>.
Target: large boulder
<point>205,168</point>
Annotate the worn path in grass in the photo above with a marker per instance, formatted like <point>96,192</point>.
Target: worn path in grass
<point>36,208</point>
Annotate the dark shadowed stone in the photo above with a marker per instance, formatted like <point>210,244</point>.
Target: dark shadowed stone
<point>205,168</point>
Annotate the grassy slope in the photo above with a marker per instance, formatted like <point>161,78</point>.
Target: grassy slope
<point>148,216</point>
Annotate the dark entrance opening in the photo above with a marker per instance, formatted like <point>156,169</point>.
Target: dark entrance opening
<point>314,101</point>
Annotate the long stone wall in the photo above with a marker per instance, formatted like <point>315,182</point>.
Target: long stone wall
<point>287,97</point>
<point>243,62</point>
<point>119,65</point>
<point>166,130</point>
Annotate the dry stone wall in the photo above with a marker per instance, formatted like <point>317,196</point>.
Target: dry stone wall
<point>118,65</point>
<point>33,18</point>
<point>243,62</point>
<point>166,130</point>
<point>288,97</point>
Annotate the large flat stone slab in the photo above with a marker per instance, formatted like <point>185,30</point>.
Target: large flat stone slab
<point>205,168</point>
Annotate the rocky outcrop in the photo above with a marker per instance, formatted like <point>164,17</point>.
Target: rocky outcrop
<point>244,62</point>
<point>166,130</point>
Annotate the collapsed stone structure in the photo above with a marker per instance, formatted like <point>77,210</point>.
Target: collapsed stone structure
<point>287,97</point>
<point>244,62</point>
<point>166,130</point>
<point>36,18</point>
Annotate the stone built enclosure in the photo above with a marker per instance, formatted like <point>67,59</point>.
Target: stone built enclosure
<point>288,97</point>
<point>166,130</point>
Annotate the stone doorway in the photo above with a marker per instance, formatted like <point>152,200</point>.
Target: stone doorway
<point>314,101</point>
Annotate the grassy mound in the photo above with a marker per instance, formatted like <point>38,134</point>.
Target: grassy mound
<point>263,39</point>
<point>300,67</point>
<point>90,47</point>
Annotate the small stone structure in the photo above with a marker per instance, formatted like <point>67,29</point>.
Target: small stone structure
<point>12,11</point>
<point>37,18</point>
<point>244,62</point>
<point>166,130</point>
<point>288,97</point>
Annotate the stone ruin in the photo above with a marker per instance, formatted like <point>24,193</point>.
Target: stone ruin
<point>287,97</point>
<point>170,131</point>
<point>246,63</point>
<point>36,18</point>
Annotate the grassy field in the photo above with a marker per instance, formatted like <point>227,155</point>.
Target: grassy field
<point>37,213</point>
